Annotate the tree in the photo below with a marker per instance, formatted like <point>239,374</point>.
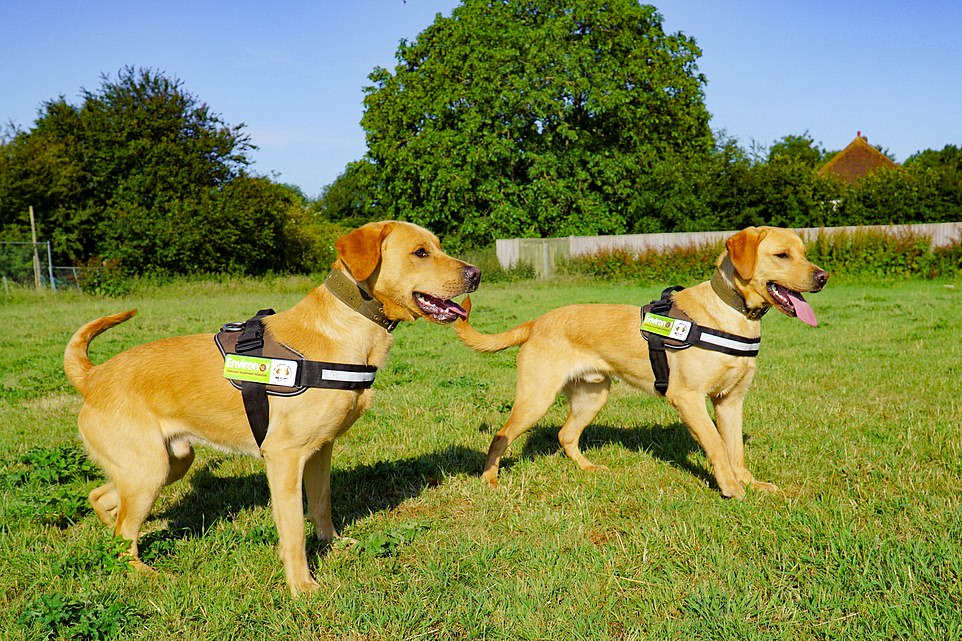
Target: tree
<point>797,149</point>
<point>145,173</point>
<point>348,199</point>
<point>939,177</point>
<point>785,191</point>
<point>538,118</point>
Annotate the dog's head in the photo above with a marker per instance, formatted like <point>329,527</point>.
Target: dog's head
<point>769,269</point>
<point>403,266</point>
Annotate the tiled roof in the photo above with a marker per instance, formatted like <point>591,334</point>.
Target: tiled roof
<point>855,161</point>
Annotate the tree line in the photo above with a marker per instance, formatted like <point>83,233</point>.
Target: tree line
<point>505,119</point>
<point>144,175</point>
<point>552,118</point>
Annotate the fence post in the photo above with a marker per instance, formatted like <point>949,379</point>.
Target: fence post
<point>36,254</point>
<point>53,283</point>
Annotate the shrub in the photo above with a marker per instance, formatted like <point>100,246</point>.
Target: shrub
<point>680,265</point>
<point>491,270</point>
<point>878,254</point>
<point>860,253</point>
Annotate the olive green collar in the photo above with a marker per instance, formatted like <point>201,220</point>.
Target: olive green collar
<point>357,298</point>
<point>728,294</point>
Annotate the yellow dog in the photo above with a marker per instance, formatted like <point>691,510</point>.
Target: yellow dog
<point>578,348</point>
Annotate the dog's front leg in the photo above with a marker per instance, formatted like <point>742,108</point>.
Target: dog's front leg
<point>728,415</point>
<point>317,483</point>
<point>691,406</point>
<point>285,469</point>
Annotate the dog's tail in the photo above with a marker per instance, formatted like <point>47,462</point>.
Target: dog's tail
<point>489,342</point>
<point>76,363</point>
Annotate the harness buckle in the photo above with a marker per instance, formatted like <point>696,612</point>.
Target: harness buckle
<point>250,344</point>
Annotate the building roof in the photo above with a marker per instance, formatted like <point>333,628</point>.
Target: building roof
<point>857,160</point>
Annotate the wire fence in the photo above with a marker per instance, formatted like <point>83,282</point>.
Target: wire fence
<point>27,264</point>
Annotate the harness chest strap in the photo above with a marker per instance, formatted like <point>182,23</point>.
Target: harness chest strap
<point>259,366</point>
<point>666,327</point>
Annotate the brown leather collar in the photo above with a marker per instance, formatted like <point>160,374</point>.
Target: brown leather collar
<point>358,299</point>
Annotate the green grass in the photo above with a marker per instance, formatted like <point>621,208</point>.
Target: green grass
<point>858,421</point>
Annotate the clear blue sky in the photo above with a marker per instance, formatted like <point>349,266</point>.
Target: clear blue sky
<point>293,72</point>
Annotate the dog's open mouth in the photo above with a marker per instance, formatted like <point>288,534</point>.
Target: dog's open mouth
<point>443,311</point>
<point>792,303</point>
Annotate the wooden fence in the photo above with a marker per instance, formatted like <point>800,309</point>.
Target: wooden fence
<point>544,253</point>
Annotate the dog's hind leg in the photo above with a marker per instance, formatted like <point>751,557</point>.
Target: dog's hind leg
<point>138,463</point>
<point>585,400</point>
<point>136,501</point>
<point>105,502</point>
<point>536,390</point>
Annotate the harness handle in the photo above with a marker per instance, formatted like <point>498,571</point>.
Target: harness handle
<point>251,343</point>
<point>656,344</point>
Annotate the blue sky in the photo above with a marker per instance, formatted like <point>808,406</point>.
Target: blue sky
<point>293,72</point>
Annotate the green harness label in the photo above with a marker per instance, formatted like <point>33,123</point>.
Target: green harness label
<point>259,369</point>
<point>666,326</point>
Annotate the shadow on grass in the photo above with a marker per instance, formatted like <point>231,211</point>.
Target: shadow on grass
<point>670,443</point>
<point>362,490</point>
<point>356,493</point>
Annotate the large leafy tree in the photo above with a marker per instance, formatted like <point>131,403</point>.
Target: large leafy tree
<point>543,117</point>
<point>348,200</point>
<point>144,173</point>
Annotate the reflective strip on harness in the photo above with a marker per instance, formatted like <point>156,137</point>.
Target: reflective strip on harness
<point>738,347</point>
<point>353,377</point>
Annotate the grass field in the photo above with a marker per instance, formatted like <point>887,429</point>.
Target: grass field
<point>858,421</point>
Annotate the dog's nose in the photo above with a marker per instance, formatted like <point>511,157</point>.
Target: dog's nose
<point>820,277</point>
<point>472,277</point>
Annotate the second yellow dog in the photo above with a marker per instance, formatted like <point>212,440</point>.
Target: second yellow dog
<point>578,348</point>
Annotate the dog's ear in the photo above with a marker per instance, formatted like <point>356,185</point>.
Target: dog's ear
<point>743,250</point>
<point>360,250</point>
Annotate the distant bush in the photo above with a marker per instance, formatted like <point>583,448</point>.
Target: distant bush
<point>877,254</point>
<point>491,270</point>
<point>680,265</point>
<point>862,253</point>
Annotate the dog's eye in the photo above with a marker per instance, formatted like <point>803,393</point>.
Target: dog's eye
<point>782,255</point>
<point>421,252</point>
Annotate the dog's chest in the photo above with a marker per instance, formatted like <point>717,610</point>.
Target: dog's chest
<point>735,375</point>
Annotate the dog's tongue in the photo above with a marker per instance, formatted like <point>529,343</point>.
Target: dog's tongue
<point>803,310</point>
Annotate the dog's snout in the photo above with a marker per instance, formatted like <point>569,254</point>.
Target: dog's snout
<point>820,277</point>
<point>472,277</point>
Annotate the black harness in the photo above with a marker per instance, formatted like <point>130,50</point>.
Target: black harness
<point>278,370</point>
<point>665,326</point>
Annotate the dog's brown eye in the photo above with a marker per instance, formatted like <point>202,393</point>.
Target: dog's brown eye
<point>782,255</point>
<point>421,252</point>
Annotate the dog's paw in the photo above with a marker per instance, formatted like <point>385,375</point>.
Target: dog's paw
<point>305,586</point>
<point>594,467</point>
<point>737,491</point>
<point>764,487</point>
<point>490,477</point>
<point>139,566</point>
<point>341,543</point>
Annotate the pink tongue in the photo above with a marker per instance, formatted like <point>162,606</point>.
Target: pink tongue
<point>803,310</point>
